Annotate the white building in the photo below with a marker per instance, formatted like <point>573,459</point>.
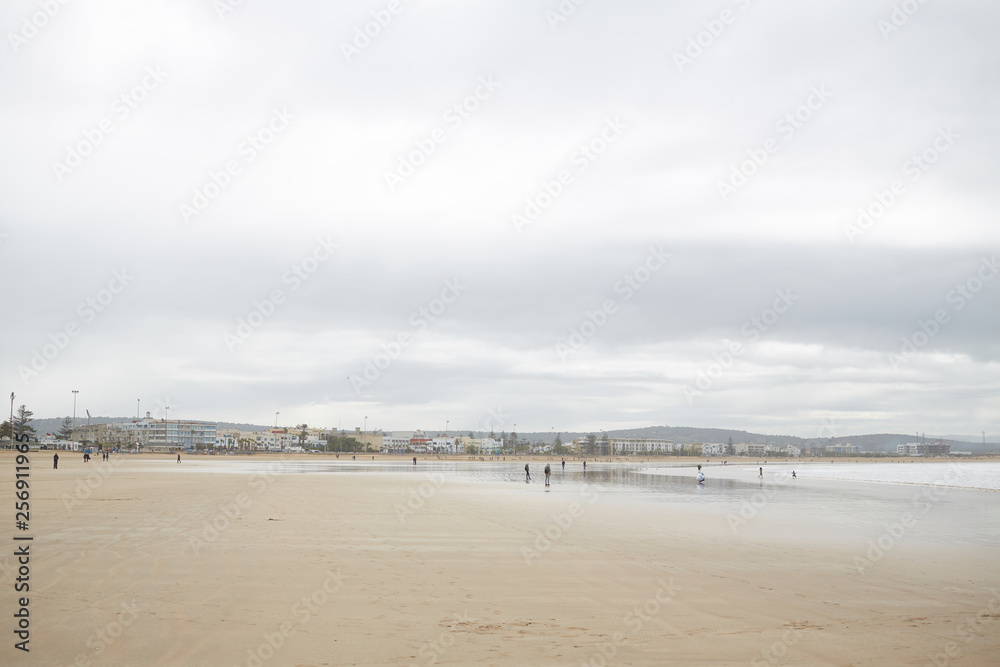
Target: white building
<point>395,443</point>
<point>633,446</point>
<point>169,432</point>
<point>444,445</point>
<point>713,449</point>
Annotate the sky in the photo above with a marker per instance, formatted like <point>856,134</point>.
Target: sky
<point>771,216</point>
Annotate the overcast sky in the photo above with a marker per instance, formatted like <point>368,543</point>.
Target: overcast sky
<point>491,213</point>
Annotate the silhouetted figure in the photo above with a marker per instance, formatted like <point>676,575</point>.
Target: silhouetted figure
<point>55,462</point>
<point>548,473</point>
<point>178,457</point>
<point>761,475</point>
<point>564,464</point>
<point>414,460</point>
<point>527,474</point>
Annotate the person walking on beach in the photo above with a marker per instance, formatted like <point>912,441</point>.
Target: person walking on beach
<point>585,465</point>
<point>178,457</point>
<point>761,474</point>
<point>793,475</point>
<point>548,472</point>
<point>55,462</point>
<point>414,460</point>
<point>564,464</point>
<point>527,474</point>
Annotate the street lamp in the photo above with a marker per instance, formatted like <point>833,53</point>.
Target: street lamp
<point>75,392</point>
<point>11,420</point>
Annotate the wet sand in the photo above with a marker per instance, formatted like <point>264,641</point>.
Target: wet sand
<point>157,564</point>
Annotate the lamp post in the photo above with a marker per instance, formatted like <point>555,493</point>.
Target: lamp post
<point>137,402</point>
<point>75,392</point>
<point>11,420</point>
<point>276,419</point>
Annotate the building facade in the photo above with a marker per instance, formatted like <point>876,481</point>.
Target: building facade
<point>182,433</point>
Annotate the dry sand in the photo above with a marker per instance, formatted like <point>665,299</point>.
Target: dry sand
<point>333,569</point>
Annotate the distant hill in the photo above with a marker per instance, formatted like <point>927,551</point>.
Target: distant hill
<point>879,442</point>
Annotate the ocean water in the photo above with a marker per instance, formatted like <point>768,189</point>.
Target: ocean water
<point>949,503</point>
<point>965,475</point>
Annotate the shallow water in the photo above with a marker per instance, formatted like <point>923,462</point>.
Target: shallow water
<point>841,499</point>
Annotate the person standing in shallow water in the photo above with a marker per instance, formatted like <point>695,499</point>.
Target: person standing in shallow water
<point>548,473</point>
<point>527,474</point>
<point>564,464</point>
<point>761,474</point>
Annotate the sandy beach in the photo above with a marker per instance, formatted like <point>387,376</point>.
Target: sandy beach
<point>144,561</point>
